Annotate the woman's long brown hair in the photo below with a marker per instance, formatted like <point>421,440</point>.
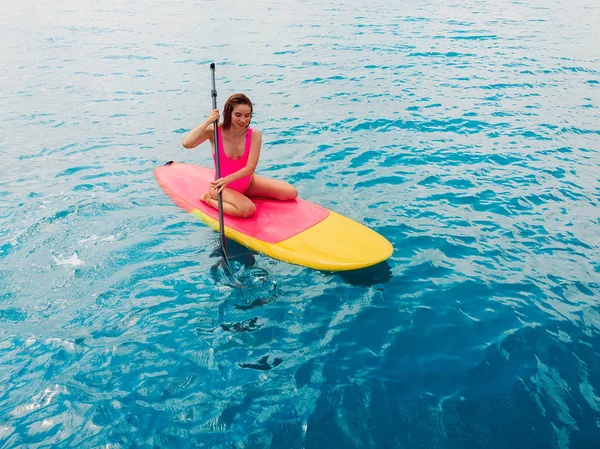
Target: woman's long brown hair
<point>232,102</point>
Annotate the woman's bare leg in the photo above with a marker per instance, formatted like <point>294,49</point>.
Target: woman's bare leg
<point>234,203</point>
<point>271,188</point>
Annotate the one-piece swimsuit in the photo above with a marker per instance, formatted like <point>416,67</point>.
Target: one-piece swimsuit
<point>230,166</point>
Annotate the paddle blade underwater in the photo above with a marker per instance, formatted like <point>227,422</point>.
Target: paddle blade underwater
<point>296,231</point>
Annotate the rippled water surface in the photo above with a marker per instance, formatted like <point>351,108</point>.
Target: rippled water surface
<point>467,133</point>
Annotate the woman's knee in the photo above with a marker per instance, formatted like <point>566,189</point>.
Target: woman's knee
<point>247,210</point>
<point>290,193</point>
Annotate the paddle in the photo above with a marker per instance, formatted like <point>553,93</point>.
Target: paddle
<point>218,171</point>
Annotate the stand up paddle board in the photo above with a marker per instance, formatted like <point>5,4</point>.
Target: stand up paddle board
<point>296,231</point>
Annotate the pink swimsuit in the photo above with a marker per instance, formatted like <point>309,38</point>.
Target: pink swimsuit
<point>230,166</point>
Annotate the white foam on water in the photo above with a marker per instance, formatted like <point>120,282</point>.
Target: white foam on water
<point>38,401</point>
<point>73,260</point>
<point>94,238</point>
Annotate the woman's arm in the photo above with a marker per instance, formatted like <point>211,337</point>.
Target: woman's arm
<point>202,132</point>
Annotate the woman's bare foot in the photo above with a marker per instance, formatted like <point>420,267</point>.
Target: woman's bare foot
<point>206,198</point>
<point>243,207</point>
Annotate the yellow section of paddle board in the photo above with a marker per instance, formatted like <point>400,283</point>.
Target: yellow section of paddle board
<point>335,244</point>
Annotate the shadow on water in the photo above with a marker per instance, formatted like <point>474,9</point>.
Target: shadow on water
<point>236,253</point>
<point>366,277</point>
<point>249,287</point>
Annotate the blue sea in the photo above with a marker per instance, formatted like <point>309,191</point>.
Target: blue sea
<point>466,132</point>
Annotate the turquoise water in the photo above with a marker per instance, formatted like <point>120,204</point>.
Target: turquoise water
<point>467,133</point>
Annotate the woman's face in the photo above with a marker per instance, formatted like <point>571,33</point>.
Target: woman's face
<point>240,116</point>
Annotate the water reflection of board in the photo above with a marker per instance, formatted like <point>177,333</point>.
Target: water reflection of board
<point>296,231</point>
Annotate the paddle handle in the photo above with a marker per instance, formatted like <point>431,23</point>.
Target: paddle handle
<point>213,94</point>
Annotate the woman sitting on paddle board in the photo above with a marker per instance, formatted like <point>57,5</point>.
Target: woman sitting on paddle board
<point>239,150</point>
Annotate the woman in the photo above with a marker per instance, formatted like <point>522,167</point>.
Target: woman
<point>239,150</point>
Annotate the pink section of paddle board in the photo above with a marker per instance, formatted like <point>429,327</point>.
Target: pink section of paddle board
<point>273,222</point>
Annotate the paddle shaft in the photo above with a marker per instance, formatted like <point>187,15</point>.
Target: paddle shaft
<point>218,163</point>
